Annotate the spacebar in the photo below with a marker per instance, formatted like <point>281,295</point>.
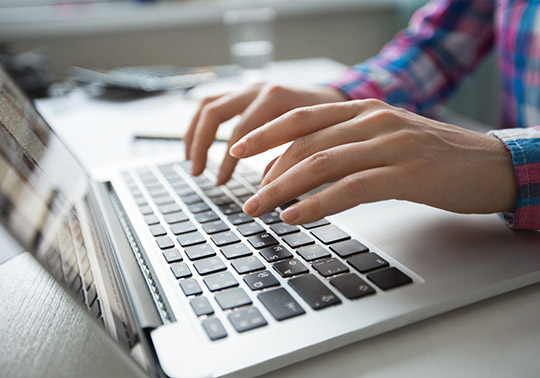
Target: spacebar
<point>314,292</point>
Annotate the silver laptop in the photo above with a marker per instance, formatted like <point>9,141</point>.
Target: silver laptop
<point>190,286</point>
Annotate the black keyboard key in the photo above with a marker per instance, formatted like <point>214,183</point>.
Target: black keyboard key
<point>221,200</point>
<point>209,266</point>
<point>206,216</point>
<point>389,278</point>
<point>367,262</point>
<point>157,230</point>
<point>198,207</point>
<point>280,304</point>
<point>236,250</point>
<point>239,218</point>
<point>352,286</point>
<point>233,184</point>
<point>298,240</point>
<point>330,234</point>
<point>289,268</point>
<point>199,251</point>
<point>176,217</point>
<point>159,191</point>
<point>182,228</point>
<point>189,200</point>
<point>146,210</point>
<point>169,208</point>
<point>231,208</point>
<point>349,248</point>
<point>262,241</point>
<point>314,292</point>
<point>313,252</point>
<point>242,191</point>
<point>183,191</point>
<point>284,229</point>
<point>271,217</point>
<point>172,255</point>
<point>214,192</point>
<point>220,281</point>
<point>201,306</point>
<point>164,242</point>
<point>275,253</point>
<point>163,200</point>
<point>232,298</point>
<point>180,270</point>
<point>246,319</point>
<point>225,238</point>
<point>141,201</point>
<point>319,223</point>
<point>250,229</point>
<point>261,280</point>
<point>151,219</point>
<point>214,329</point>
<point>329,267</point>
<point>190,286</point>
<point>248,264</point>
<point>214,227</point>
<point>190,239</point>
<point>288,203</point>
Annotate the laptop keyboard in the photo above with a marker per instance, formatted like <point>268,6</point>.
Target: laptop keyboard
<point>316,260</point>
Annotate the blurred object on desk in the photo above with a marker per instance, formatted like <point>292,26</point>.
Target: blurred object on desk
<point>30,70</point>
<point>149,79</point>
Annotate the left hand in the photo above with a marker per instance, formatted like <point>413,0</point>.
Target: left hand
<point>372,151</point>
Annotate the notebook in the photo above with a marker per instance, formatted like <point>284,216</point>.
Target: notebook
<point>190,286</point>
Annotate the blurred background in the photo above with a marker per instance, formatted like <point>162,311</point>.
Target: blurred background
<point>104,34</point>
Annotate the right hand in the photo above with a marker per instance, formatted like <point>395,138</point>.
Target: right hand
<point>257,105</point>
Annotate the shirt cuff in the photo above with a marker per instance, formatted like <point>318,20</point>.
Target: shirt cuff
<point>524,145</point>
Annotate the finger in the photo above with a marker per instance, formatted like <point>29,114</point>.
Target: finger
<point>320,168</point>
<point>188,138</point>
<point>300,122</point>
<point>363,187</point>
<point>262,110</point>
<point>212,115</point>
<point>307,145</point>
<point>269,166</point>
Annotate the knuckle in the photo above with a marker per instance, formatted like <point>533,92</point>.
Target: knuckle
<point>300,146</point>
<point>299,116</point>
<point>275,90</point>
<point>385,115</point>
<point>320,161</point>
<point>355,186</point>
<point>373,103</point>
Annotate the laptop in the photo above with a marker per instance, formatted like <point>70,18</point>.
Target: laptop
<point>190,286</point>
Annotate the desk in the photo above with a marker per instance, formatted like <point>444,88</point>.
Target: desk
<point>43,333</point>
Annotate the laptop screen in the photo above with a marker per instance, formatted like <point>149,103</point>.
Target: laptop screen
<point>40,180</point>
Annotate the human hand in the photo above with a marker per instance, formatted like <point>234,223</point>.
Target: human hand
<point>257,105</point>
<point>373,151</point>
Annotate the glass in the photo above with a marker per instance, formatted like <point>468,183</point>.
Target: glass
<point>251,36</point>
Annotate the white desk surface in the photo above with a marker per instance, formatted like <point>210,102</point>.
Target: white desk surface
<point>43,333</point>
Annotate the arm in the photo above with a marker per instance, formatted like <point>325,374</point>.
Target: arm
<point>524,145</point>
<point>423,64</point>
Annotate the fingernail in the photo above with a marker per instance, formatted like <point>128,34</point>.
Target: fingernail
<point>290,214</point>
<point>251,205</point>
<point>238,149</point>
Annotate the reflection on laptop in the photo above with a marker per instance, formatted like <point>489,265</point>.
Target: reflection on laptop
<point>170,264</point>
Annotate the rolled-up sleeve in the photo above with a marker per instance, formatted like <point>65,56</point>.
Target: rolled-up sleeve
<point>524,145</point>
<point>422,65</point>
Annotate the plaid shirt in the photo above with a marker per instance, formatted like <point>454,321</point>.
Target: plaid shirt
<point>446,40</point>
